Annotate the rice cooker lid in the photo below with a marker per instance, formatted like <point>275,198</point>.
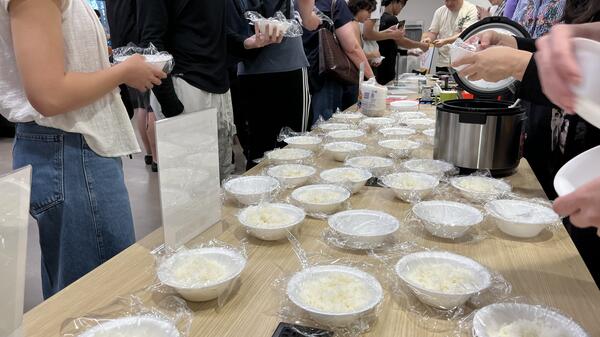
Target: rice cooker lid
<point>483,88</point>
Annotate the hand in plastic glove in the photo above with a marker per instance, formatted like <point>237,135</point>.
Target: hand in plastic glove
<point>583,205</point>
<point>141,75</point>
<point>263,39</point>
<point>484,65</point>
<point>491,38</point>
<point>557,66</point>
<point>441,42</point>
<point>426,40</point>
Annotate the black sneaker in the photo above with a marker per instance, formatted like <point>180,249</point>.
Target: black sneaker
<point>148,159</point>
<point>154,167</point>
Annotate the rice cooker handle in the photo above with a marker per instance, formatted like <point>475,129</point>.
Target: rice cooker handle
<point>467,118</point>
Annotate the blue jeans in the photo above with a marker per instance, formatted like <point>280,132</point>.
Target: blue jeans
<point>79,200</point>
<point>326,101</point>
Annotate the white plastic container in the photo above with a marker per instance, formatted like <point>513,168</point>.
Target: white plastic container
<point>429,166</point>
<point>397,132</point>
<point>399,148</point>
<point>329,126</point>
<point>477,188</point>
<point>292,175</point>
<point>311,143</point>
<point>288,155</point>
<point>519,218</point>
<point>411,186</point>
<point>364,229</point>
<point>407,115</point>
<point>232,261</point>
<point>321,199</point>
<point>447,219</point>
<point>578,172</point>
<point>346,135</point>
<point>374,123</point>
<point>271,227</point>
<point>404,106</point>
<point>420,123</point>
<point>373,294</point>
<point>341,150</point>
<point>250,190</point>
<point>373,100</point>
<point>588,100</point>
<point>457,294</point>
<point>355,178</point>
<point>347,117</point>
<point>135,326</point>
<point>376,165</point>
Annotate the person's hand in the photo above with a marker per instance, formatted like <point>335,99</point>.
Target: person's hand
<point>439,43</point>
<point>426,40</point>
<point>263,39</point>
<point>424,47</point>
<point>484,65</point>
<point>557,66</point>
<point>141,75</point>
<point>491,38</point>
<point>482,13</point>
<point>375,59</point>
<point>583,205</point>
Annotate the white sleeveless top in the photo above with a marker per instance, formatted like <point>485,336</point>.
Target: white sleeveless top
<point>104,124</point>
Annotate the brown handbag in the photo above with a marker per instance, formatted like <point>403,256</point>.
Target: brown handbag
<point>333,61</point>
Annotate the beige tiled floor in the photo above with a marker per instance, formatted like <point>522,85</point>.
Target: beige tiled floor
<point>143,192</point>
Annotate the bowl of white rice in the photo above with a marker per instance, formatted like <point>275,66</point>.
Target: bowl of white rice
<point>271,222</point>
<point>354,178</point>
<point>398,148</point>
<point>311,143</point>
<point>133,326</point>
<point>292,175</point>
<point>251,190</point>
<point>411,186</point>
<point>320,199</point>
<point>476,188</point>
<point>341,150</point>
<point>376,165</point>
<point>289,155</point>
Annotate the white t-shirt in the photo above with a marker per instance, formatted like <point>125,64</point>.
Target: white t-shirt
<point>104,124</point>
<point>376,14</point>
<point>447,23</point>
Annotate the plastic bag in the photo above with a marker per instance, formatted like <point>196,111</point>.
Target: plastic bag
<point>278,23</point>
<point>480,187</point>
<point>271,221</point>
<point>160,59</point>
<point>134,315</point>
<point>202,272</point>
<point>461,49</point>
<point>251,190</point>
<point>411,187</point>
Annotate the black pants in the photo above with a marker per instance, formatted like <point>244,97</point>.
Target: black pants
<point>271,102</point>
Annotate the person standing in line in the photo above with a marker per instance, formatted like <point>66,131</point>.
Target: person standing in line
<point>58,86</point>
<point>122,20</point>
<point>449,21</point>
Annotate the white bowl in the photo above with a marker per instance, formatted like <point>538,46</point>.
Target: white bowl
<point>429,166</point>
<point>429,135</point>
<point>465,278</point>
<point>447,219</point>
<point>288,155</point>
<point>578,172</point>
<point>408,115</point>
<point>250,190</point>
<point>230,260</point>
<point>521,218</point>
<point>275,224</point>
<point>374,123</point>
<point>399,148</point>
<point>477,188</point>
<point>304,142</point>
<point>404,105</point>
<point>489,320</point>
<point>275,27</point>
<point>376,165</point>
<point>397,132</point>
<point>370,289</point>
<point>158,61</point>
<point>347,117</point>
<point>402,91</point>
<point>354,178</point>
<point>345,135</point>
<point>588,100</point>
<point>411,186</point>
<point>292,175</point>
<point>363,229</point>
<point>341,150</point>
<point>328,126</point>
<point>420,123</point>
<point>134,326</point>
<point>321,199</point>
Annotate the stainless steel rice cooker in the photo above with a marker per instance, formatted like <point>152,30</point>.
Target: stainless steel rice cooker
<point>484,133</point>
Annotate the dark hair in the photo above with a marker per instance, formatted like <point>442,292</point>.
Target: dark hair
<point>581,11</point>
<point>358,5</point>
<point>386,3</point>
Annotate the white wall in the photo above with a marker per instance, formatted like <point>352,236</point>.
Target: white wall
<point>422,10</point>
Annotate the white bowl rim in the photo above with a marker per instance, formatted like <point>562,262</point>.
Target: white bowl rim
<point>451,257</point>
<point>412,144</point>
<point>443,166</point>
<point>578,330</point>
<point>388,162</point>
<point>435,181</point>
<point>389,132</point>
<point>335,219</point>
<point>404,103</point>
<point>502,186</point>
<point>420,121</point>
<point>328,126</point>
<point>359,146</point>
<point>348,115</point>
<point>230,253</point>
<point>275,184</point>
<point>364,276</point>
<point>378,120</point>
<point>301,216</point>
<point>272,171</point>
<point>128,321</point>
<point>465,207</point>
<point>351,132</point>
<point>490,208</point>
<point>337,188</point>
<point>291,140</point>
<point>366,174</point>
<point>304,153</point>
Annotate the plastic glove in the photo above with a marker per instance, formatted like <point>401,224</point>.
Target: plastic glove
<point>583,205</point>
<point>491,38</point>
<point>557,66</point>
<point>484,65</point>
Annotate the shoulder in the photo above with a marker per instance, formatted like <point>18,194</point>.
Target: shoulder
<point>468,8</point>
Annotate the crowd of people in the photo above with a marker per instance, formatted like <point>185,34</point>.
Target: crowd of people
<point>60,89</point>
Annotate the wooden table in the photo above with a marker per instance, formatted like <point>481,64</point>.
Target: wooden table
<point>546,270</point>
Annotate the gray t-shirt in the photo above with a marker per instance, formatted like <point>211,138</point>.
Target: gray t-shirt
<point>276,58</point>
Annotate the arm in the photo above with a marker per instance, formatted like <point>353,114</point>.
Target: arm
<point>353,50</point>
<point>410,44</point>
<point>429,37</point>
<point>38,44</point>
<point>372,35</point>
<point>310,20</point>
